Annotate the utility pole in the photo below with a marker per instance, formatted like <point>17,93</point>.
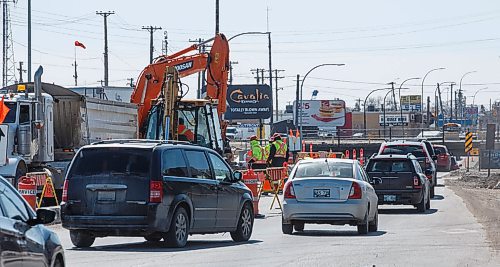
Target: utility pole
<point>277,89</point>
<point>231,70</point>
<point>151,30</point>
<point>428,112</point>
<point>216,17</point>
<point>76,73</point>
<point>106,70</point>
<point>21,70</point>
<point>201,76</point>
<point>451,102</point>
<point>393,98</point>
<point>297,98</point>
<point>131,83</point>
<point>29,40</point>
<point>257,72</point>
<point>165,43</point>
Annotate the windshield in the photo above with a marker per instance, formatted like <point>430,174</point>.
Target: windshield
<point>108,161</point>
<point>324,169</point>
<point>389,166</point>
<point>417,151</point>
<point>440,150</point>
<point>11,116</point>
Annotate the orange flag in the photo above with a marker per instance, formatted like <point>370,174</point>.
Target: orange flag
<point>291,133</point>
<point>4,110</point>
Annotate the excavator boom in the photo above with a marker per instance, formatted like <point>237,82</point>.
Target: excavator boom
<point>216,64</point>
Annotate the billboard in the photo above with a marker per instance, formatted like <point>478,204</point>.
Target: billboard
<point>411,102</point>
<point>394,119</point>
<point>251,101</point>
<point>322,113</point>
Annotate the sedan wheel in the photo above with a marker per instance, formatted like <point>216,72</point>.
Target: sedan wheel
<point>363,225</point>
<point>286,228</point>
<point>245,225</point>
<point>81,239</point>
<point>373,227</point>
<point>178,234</point>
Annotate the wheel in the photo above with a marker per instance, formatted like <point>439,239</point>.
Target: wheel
<point>245,225</point>
<point>286,228</point>
<point>428,205</point>
<point>179,229</point>
<point>59,262</point>
<point>152,238</point>
<point>421,207</point>
<point>373,226</point>
<point>299,227</point>
<point>363,225</point>
<point>81,239</point>
<point>432,191</point>
<point>20,171</point>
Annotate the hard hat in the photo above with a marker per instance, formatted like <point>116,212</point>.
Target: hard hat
<point>277,135</point>
<point>271,139</point>
<point>253,137</point>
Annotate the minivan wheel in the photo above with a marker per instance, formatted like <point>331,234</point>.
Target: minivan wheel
<point>81,239</point>
<point>179,229</point>
<point>153,238</point>
<point>363,225</point>
<point>299,226</point>
<point>245,225</point>
<point>428,205</point>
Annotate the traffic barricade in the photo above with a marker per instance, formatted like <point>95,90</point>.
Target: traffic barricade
<point>276,177</point>
<point>27,188</point>
<point>252,180</point>
<point>45,187</point>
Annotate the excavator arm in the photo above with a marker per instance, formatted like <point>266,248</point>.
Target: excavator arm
<point>216,64</point>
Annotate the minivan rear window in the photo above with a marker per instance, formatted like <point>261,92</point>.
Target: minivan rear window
<point>109,161</point>
<point>417,151</point>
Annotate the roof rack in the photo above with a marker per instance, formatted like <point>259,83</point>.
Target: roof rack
<point>142,141</point>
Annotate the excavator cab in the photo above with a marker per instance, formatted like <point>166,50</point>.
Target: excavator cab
<point>199,119</point>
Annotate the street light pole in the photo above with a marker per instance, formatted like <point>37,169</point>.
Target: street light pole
<point>401,105</point>
<point>364,108</point>
<point>422,97</point>
<point>477,113</point>
<point>302,85</point>
<point>460,90</point>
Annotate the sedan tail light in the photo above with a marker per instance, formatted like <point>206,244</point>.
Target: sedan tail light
<point>155,191</point>
<point>65,191</point>
<point>416,182</point>
<point>288,191</point>
<point>355,192</point>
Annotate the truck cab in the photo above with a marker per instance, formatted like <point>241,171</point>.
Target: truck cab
<point>26,139</point>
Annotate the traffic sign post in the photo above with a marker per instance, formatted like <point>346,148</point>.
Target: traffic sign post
<point>490,143</point>
<point>468,146</point>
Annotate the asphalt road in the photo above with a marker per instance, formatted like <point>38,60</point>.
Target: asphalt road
<point>446,235</point>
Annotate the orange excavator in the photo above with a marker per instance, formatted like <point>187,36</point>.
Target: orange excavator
<point>164,113</point>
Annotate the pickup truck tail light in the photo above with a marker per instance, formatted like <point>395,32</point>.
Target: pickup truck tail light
<point>416,183</point>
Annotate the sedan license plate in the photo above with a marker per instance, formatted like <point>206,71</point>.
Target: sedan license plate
<point>106,195</point>
<point>321,193</point>
<point>389,198</point>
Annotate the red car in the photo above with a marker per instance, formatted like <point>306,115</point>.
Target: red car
<point>443,158</point>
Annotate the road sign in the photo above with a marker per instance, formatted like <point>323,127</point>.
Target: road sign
<point>490,136</point>
<point>4,130</point>
<point>474,151</point>
<point>468,142</point>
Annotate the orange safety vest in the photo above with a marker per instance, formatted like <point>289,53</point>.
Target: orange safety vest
<point>183,130</point>
<point>280,149</point>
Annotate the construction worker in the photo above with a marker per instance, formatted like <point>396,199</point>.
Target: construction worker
<point>278,154</point>
<point>267,148</point>
<point>184,133</point>
<point>255,156</point>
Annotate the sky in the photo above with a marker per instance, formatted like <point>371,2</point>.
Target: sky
<point>379,41</point>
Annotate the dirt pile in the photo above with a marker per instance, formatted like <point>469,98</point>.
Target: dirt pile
<point>475,179</point>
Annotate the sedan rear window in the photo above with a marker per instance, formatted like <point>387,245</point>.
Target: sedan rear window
<point>324,169</point>
<point>106,161</point>
<point>417,151</point>
<point>389,166</point>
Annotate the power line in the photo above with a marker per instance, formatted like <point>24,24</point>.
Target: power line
<point>105,16</point>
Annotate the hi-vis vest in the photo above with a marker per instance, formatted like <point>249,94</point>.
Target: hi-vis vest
<point>280,149</point>
<point>257,158</point>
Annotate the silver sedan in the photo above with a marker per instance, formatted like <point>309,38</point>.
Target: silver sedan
<point>329,191</point>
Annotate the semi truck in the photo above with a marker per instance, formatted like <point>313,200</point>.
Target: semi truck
<point>46,124</point>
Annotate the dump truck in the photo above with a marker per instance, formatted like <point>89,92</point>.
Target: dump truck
<point>46,124</point>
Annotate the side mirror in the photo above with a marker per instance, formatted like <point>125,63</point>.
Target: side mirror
<point>237,176</point>
<point>44,216</point>
<point>434,157</point>
<point>376,181</point>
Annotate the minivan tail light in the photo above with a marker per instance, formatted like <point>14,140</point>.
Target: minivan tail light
<point>288,191</point>
<point>416,182</point>
<point>155,191</point>
<point>65,191</point>
<point>355,192</point>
